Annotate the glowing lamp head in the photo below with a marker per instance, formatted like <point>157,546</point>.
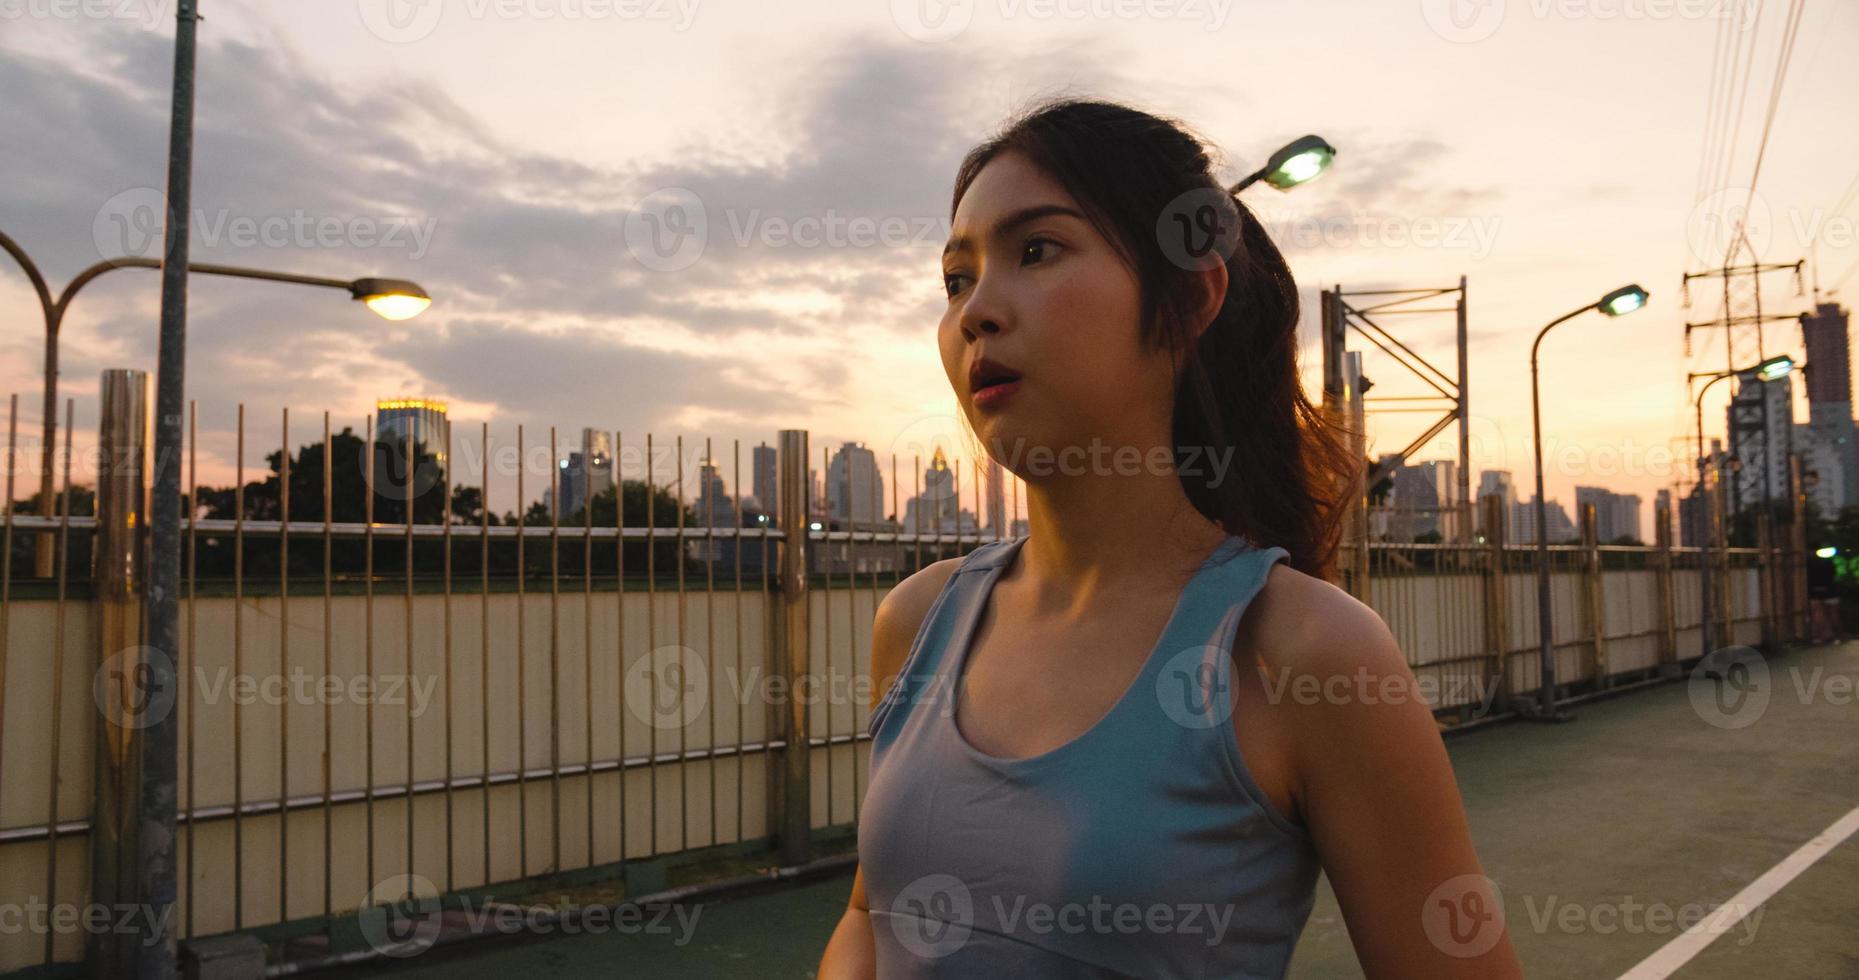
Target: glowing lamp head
<point>392,299</point>
<point>1622,301</point>
<point>1300,162</point>
<point>1775,368</point>
<point>1827,552</point>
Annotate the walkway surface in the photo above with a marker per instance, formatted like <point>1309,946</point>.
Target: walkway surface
<point>1651,806</point>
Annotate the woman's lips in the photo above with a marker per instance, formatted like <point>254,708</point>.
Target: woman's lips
<point>995,395</point>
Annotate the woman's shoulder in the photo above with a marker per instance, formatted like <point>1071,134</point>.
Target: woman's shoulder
<point>1300,623</point>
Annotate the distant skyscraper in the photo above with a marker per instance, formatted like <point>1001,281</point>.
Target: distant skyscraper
<point>854,490</point>
<point>585,474</point>
<point>1615,514</point>
<point>1760,441</point>
<point>765,478</point>
<point>938,505</point>
<point>1828,445</point>
<point>421,419</point>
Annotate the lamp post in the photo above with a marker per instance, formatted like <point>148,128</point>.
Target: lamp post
<point>394,299</point>
<point>1620,302</point>
<point>1297,162</point>
<point>1772,369</point>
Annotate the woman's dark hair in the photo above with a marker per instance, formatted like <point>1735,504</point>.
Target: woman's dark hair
<point>1291,473</point>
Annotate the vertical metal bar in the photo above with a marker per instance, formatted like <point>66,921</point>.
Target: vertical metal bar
<point>826,618</point>
<point>410,456</point>
<point>58,696</point>
<point>155,884</point>
<point>555,654</point>
<point>651,637</point>
<point>186,656</point>
<point>587,628</point>
<point>117,576</point>
<point>238,673</point>
<point>735,480</point>
<point>709,518</point>
<point>684,765</point>
<point>6,561</point>
<point>791,653</point>
<point>368,638</point>
<point>522,744</point>
<point>484,636</point>
<point>619,629</point>
<point>284,669</point>
<point>329,835</point>
<point>1464,409</point>
<point>445,593</point>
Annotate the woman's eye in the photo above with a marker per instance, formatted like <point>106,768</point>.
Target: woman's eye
<point>952,283</point>
<point>1037,249</point>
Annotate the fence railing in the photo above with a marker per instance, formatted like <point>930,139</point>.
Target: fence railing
<point>468,723</point>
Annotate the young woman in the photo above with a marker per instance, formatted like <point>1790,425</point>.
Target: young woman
<point>1125,744</point>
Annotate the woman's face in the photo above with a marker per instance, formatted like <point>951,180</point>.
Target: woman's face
<point>1033,286</point>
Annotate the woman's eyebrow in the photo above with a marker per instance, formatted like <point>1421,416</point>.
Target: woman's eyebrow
<point>1012,220</point>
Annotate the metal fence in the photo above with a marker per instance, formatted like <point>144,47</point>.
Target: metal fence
<point>502,706</point>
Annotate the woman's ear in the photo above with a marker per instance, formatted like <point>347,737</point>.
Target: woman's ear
<point>1210,285</point>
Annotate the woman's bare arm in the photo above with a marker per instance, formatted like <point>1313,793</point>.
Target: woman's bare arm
<point>1376,790</point>
<point>850,953</point>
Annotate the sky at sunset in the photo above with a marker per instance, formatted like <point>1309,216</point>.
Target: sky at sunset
<point>516,157</point>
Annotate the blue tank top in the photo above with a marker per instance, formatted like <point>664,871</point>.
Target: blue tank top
<point>1141,848</point>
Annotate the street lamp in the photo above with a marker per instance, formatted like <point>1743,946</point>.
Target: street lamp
<point>394,299</point>
<point>1773,369</point>
<point>1297,162</point>
<point>1620,302</point>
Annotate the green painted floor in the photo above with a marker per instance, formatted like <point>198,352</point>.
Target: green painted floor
<point>1638,802</point>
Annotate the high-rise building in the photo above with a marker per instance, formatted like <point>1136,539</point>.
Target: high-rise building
<point>421,419</point>
<point>854,488</point>
<point>1616,515</point>
<point>585,474</point>
<point>1827,444</point>
<point>766,478</point>
<point>1761,422</point>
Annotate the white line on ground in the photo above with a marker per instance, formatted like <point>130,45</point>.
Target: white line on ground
<point>1679,951</point>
